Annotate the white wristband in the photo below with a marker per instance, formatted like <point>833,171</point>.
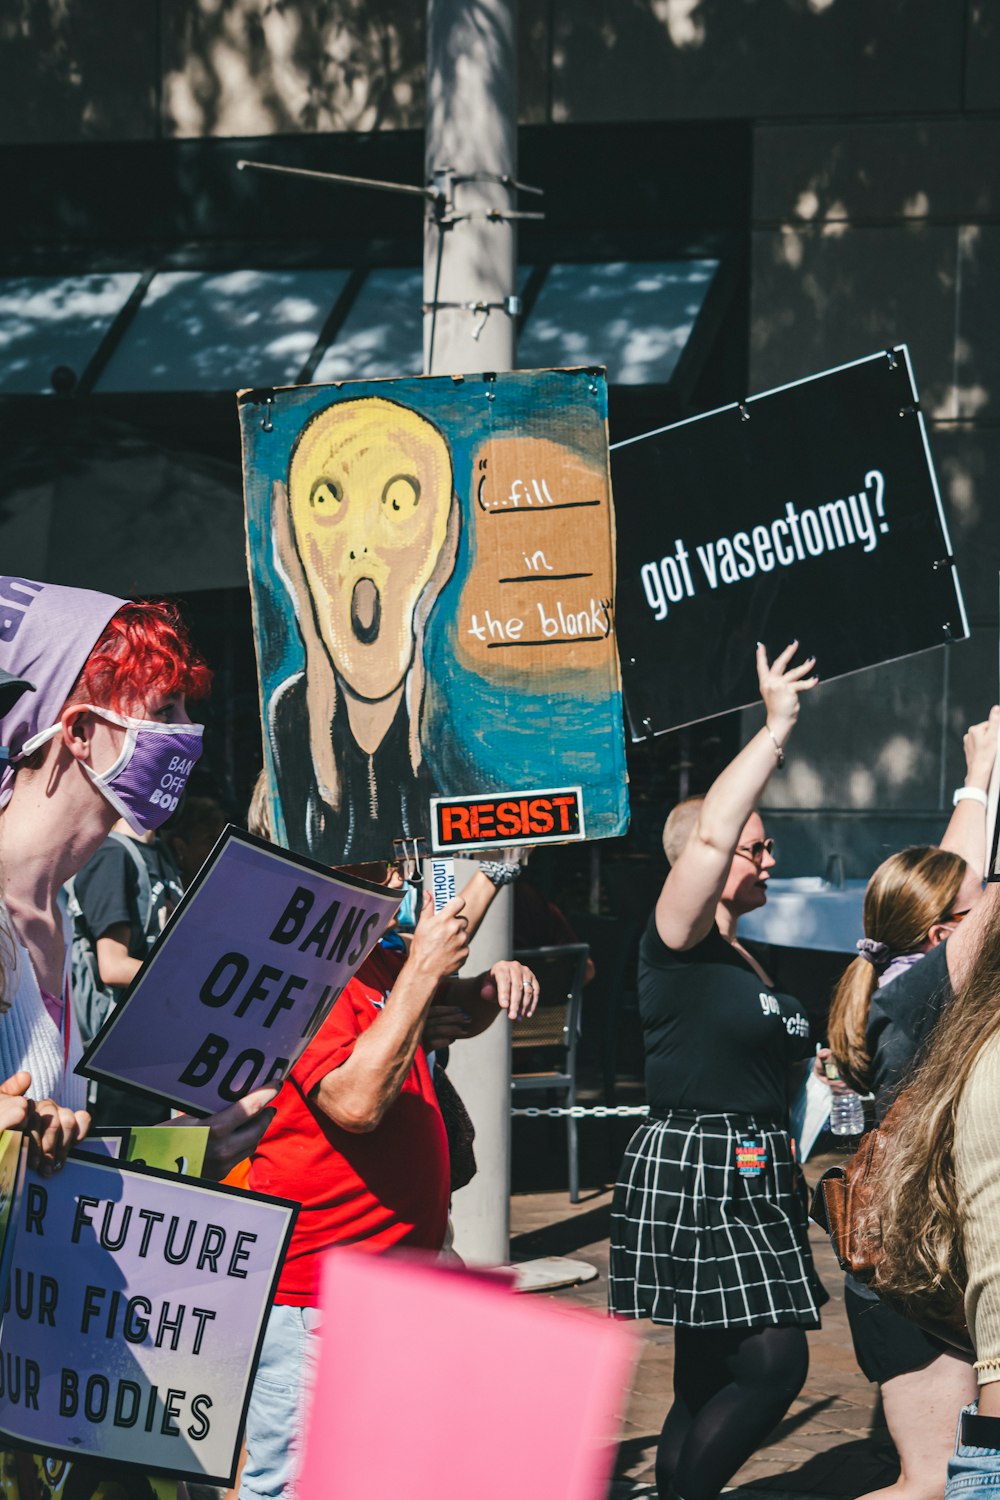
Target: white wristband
<point>970,794</point>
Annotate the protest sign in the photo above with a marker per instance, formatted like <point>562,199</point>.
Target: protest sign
<point>11,1142</point>
<point>136,1305</point>
<point>425,1339</point>
<point>245,971</point>
<point>810,512</point>
<point>173,1148</point>
<point>432,571</point>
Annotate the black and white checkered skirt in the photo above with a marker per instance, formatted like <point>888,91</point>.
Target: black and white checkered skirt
<point>695,1243</point>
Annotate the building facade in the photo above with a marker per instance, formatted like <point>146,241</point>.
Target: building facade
<point>829,164</point>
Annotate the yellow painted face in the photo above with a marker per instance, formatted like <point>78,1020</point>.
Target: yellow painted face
<point>370,489</point>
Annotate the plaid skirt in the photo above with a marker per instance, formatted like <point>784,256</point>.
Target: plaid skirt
<point>695,1242</point>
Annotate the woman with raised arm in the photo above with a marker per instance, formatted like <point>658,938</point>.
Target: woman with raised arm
<point>708,1227</point>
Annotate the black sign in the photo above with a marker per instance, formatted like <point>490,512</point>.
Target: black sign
<point>810,512</point>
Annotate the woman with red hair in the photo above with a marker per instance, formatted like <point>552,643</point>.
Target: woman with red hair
<point>104,735</point>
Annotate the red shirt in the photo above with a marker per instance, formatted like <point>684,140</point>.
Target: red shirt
<point>375,1191</point>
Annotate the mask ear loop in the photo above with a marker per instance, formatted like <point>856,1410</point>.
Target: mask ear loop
<point>35,743</point>
<point>10,764</point>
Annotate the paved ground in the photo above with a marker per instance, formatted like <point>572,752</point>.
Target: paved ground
<point>833,1441</point>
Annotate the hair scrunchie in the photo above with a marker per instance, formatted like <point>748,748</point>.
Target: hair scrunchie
<point>879,955</point>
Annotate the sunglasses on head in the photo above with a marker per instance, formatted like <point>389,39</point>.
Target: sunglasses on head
<point>755,852</point>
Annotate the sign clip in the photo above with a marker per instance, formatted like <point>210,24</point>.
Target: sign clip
<point>409,852</point>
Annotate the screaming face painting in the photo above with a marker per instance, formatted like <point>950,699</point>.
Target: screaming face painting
<point>369,522</point>
<point>366,532</point>
<point>370,492</point>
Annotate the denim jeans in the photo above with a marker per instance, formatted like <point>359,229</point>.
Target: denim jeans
<point>973,1473</point>
<point>277,1410</point>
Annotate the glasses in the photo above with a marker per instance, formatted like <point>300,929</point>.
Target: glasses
<point>755,852</point>
<point>957,916</point>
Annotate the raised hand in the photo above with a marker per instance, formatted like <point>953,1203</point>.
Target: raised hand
<point>781,686</point>
<point>980,746</point>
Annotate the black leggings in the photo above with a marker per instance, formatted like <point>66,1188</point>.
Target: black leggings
<point>731,1387</point>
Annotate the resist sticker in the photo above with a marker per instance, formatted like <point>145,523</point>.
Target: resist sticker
<point>507,819</point>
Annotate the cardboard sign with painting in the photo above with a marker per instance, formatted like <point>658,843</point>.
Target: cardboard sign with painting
<point>432,569</point>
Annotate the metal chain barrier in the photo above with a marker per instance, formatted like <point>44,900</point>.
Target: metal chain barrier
<point>582,1111</point>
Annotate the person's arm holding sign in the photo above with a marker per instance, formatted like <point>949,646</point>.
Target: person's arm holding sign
<point>51,1129</point>
<point>357,1094</point>
<point>233,1133</point>
<point>692,892</point>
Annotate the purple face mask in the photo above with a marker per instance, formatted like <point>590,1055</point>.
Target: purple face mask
<point>145,783</point>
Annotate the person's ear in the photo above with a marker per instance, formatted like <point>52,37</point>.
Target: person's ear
<point>937,934</point>
<point>77,731</point>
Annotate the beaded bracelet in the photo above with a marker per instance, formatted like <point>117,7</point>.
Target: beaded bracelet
<point>498,872</point>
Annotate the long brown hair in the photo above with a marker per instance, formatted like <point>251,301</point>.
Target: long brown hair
<point>918,1198</point>
<point>907,894</point>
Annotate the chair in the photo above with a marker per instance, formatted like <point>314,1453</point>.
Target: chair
<point>555,1024</point>
<point>614,948</point>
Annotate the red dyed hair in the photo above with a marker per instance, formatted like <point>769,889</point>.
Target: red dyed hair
<point>144,649</point>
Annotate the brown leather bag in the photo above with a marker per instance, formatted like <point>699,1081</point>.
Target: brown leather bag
<point>844,1205</point>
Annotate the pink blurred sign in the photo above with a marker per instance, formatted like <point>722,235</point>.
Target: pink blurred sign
<point>439,1384</point>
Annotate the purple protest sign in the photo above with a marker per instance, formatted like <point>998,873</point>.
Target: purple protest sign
<point>137,1343</point>
<point>245,971</point>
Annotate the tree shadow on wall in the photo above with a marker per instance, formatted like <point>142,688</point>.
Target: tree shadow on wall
<point>121,71</point>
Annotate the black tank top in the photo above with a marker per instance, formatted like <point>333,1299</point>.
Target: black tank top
<point>717,1038</point>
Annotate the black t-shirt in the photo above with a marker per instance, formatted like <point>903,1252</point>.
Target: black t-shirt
<point>717,1038</point>
<point>901,1018</point>
<point>108,891</point>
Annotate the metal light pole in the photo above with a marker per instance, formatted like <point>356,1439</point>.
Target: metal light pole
<point>470,265</point>
<point>470,304</point>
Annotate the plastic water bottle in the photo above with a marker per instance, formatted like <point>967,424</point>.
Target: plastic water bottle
<point>847,1113</point>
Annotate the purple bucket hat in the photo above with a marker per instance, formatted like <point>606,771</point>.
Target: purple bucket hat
<point>46,634</point>
<point>12,688</point>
